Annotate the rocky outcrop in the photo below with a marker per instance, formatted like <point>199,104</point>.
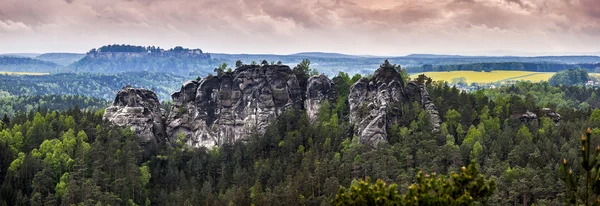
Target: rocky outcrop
<point>140,110</point>
<point>551,114</point>
<point>228,108</point>
<point>374,104</point>
<point>528,117</point>
<point>319,89</point>
<point>370,100</point>
<point>224,109</point>
<point>430,108</point>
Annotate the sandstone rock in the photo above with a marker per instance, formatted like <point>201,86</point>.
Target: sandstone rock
<point>551,114</point>
<point>528,117</point>
<point>228,108</point>
<point>224,109</point>
<point>434,114</point>
<point>140,110</point>
<point>319,88</point>
<point>374,104</point>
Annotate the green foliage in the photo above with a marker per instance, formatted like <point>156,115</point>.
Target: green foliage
<point>221,69</point>
<point>298,162</point>
<point>465,188</point>
<point>102,86</point>
<point>20,64</point>
<point>570,77</point>
<point>365,193</point>
<point>584,189</point>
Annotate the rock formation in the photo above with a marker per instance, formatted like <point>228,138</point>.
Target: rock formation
<point>140,110</point>
<point>319,88</point>
<point>551,114</point>
<point>530,116</point>
<point>225,109</point>
<point>372,100</point>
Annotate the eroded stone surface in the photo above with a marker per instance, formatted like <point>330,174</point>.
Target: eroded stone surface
<point>140,110</point>
<point>319,89</point>
<point>374,104</point>
<point>225,109</point>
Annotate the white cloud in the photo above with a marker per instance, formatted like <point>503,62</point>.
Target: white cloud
<point>12,26</point>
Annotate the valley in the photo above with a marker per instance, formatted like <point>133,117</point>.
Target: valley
<point>289,129</point>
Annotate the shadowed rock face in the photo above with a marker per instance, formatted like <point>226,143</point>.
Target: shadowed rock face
<point>374,104</point>
<point>370,100</point>
<point>225,109</point>
<point>140,110</point>
<point>531,117</point>
<point>319,88</point>
<point>551,114</point>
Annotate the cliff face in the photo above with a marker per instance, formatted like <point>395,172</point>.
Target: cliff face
<point>318,89</point>
<point>166,62</point>
<point>140,110</point>
<point>375,104</point>
<point>225,109</point>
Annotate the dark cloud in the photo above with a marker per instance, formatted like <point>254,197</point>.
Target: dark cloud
<point>519,2</point>
<point>304,22</point>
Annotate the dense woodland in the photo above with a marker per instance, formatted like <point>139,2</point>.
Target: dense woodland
<point>103,86</point>
<point>12,105</point>
<point>134,49</point>
<point>73,156</point>
<point>19,64</point>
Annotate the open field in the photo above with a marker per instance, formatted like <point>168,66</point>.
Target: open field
<point>24,73</point>
<point>488,77</point>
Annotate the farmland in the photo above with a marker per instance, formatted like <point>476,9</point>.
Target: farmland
<point>487,77</point>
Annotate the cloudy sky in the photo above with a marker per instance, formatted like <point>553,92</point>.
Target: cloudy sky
<point>375,27</point>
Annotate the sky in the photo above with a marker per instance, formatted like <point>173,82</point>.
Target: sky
<point>364,27</point>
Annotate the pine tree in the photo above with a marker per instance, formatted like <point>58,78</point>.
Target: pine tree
<point>591,181</point>
<point>5,119</point>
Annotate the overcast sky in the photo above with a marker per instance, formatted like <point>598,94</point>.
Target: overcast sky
<point>375,27</point>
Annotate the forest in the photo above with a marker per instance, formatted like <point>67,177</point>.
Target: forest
<point>72,156</point>
<point>102,86</point>
<point>19,64</point>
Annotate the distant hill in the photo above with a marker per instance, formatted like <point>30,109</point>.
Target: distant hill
<point>436,56</point>
<point>129,58</point>
<point>102,86</point>
<point>23,64</point>
<point>324,55</point>
<point>26,55</point>
<point>63,59</point>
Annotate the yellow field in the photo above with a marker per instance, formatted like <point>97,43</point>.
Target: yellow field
<point>488,77</point>
<point>24,73</point>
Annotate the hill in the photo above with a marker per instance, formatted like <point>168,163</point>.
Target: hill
<point>92,85</point>
<point>324,55</point>
<point>128,58</point>
<point>22,64</point>
<point>63,59</point>
<point>26,55</point>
